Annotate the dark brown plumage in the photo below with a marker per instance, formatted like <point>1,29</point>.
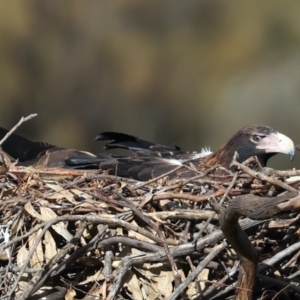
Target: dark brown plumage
<point>41,153</point>
<point>22,148</point>
<point>254,140</point>
<point>150,159</point>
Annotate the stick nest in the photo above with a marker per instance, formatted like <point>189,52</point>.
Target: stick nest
<point>86,235</point>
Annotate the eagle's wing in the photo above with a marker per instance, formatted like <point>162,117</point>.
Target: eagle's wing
<point>138,146</point>
<point>150,160</point>
<point>22,148</point>
<point>142,148</point>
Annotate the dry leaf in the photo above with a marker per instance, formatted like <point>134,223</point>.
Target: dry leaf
<point>60,192</point>
<point>192,290</point>
<point>37,258</point>
<point>133,286</point>
<point>30,209</point>
<point>4,255</point>
<point>164,282</point>
<point>149,289</point>
<point>161,276</point>
<point>22,256</point>
<point>50,246</point>
<point>93,203</point>
<point>71,294</point>
<point>203,277</point>
<point>17,225</point>
<point>47,215</point>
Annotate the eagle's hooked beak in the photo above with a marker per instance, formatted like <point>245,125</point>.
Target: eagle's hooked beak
<point>277,143</point>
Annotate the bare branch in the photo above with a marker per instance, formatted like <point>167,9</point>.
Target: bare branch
<point>22,120</point>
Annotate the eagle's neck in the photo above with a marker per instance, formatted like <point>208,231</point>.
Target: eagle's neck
<point>224,155</point>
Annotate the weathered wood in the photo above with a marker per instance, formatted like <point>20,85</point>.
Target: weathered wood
<point>257,208</point>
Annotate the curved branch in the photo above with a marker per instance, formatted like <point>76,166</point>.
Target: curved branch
<point>257,208</point>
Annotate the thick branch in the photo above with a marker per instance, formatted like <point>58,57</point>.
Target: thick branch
<point>257,208</point>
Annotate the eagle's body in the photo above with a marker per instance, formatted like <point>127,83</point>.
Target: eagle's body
<point>150,159</point>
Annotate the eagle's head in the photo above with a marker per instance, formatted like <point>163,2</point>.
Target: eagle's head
<point>254,140</point>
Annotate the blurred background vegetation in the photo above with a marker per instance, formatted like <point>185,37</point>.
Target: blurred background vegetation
<point>184,72</point>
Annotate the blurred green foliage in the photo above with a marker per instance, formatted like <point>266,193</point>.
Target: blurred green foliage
<point>184,72</point>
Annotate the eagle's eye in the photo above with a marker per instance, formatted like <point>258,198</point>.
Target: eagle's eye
<point>257,138</point>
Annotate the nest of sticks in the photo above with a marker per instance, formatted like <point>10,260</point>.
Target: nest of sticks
<point>68,234</point>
